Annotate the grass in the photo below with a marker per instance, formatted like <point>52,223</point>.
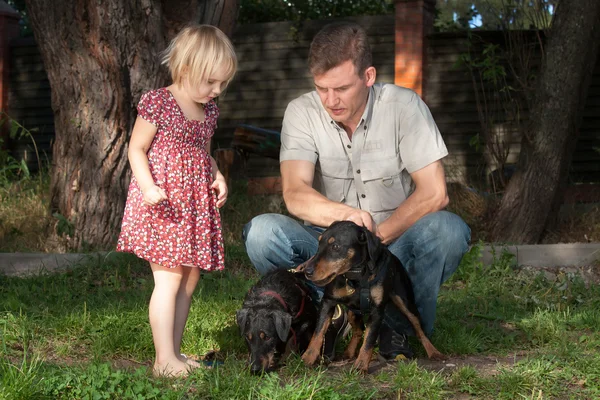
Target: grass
<point>84,334</point>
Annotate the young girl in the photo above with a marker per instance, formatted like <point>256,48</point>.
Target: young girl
<point>171,217</point>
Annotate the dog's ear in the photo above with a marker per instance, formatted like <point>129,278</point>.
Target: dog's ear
<point>283,323</point>
<point>241,317</point>
<point>374,247</point>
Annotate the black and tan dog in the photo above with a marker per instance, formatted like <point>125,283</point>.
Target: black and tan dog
<point>277,317</point>
<point>357,270</point>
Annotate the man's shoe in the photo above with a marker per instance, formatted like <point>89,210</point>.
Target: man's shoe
<point>338,328</point>
<point>393,345</point>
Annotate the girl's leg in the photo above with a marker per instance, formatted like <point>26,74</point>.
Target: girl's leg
<point>190,278</point>
<point>162,312</point>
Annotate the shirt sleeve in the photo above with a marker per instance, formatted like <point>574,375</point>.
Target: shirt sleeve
<point>149,107</point>
<point>297,141</point>
<point>420,141</point>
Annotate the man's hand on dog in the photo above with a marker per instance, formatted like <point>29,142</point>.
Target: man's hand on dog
<point>363,218</point>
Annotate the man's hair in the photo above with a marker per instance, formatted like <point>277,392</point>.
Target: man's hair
<point>337,43</point>
<point>199,50</point>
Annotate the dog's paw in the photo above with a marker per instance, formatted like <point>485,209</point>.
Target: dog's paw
<point>349,355</point>
<point>437,356</point>
<point>310,357</point>
<point>361,366</point>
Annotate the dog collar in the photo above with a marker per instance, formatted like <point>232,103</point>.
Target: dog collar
<point>281,301</point>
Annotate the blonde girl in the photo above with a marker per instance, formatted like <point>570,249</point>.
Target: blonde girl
<point>171,217</point>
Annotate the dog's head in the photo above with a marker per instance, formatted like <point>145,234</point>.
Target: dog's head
<point>343,246</point>
<point>266,333</point>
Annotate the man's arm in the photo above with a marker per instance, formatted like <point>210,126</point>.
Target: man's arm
<point>306,203</point>
<point>430,195</point>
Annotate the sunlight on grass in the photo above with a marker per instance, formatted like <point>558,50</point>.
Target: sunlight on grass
<point>19,381</point>
<point>85,334</point>
<point>412,382</point>
<point>87,330</point>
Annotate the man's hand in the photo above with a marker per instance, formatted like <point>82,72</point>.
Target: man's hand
<point>153,195</point>
<point>361,218</point>
<point>220,186</point>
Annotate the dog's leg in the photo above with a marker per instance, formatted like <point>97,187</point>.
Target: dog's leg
<point>371,334</point>
<point>311,354</point>
<point>357,334</point>
<point>432,352</point>
<point>289,348</point>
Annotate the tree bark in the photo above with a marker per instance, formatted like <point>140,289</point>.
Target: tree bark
<point>534,194</point>
<point>100,57</point>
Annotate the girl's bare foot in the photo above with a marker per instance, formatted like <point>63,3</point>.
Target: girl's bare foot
<point>174,368</point>
<point>191,363</point>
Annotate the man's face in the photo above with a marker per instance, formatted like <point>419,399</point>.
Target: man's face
<point>344,93</point>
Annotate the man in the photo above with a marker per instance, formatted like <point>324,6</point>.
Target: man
<point>369,153</point>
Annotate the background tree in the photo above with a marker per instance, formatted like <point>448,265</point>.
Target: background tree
<point>534,194</point>
<point>256,11</point>
<point>494,14</point>
<point>100,57</point>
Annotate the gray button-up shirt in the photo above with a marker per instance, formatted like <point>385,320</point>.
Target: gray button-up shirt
<point>395,137</point>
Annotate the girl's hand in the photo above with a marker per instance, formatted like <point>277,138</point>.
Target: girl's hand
<point>220,186</point>
<point>153,195</point>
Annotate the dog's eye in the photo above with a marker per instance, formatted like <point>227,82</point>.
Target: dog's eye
<point>335,247</point>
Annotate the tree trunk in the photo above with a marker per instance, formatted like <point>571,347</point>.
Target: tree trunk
<point>100,57</point>
<point>534,194</point>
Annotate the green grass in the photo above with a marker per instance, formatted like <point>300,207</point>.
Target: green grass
<point>84,334</point>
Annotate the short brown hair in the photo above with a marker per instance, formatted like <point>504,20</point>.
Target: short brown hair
<point>337,43</point>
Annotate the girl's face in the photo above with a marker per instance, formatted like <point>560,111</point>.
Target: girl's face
<point>207,90</point>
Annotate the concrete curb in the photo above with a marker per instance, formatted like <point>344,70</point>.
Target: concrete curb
<point>546,255</point>
<point>21,264</point>
<point>550,255</point>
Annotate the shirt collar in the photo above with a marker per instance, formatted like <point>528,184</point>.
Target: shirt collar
<point>368,113</point>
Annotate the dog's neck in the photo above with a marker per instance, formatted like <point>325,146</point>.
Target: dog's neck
<point>363,272</point>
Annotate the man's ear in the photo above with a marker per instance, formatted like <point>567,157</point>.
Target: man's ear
<point>283,323</point>
<point>370,76</point>
<point>242,317</point>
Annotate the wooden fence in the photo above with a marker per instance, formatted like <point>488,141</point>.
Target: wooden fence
<point>273,59</point>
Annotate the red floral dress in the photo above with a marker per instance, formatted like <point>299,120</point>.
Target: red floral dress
<point>186,228</point>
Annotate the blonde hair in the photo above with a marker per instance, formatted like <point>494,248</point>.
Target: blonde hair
<point>199,50</point>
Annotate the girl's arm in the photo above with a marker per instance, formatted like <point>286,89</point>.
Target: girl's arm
<point>215,168</point>
<point>219,183</point>
<point>141,139</point>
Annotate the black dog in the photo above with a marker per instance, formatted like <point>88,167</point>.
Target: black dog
<point>277,317</point>
<point>357,270</point>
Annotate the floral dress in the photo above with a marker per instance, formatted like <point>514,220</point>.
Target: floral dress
<point>185,229</point>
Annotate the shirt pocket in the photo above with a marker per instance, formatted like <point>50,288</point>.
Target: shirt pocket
<point>333,177</point>
<point>387,183</point>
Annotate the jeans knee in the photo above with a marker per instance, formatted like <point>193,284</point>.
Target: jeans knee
<point>452,233</point>
<point>257,233</point>
<point>455,233</point>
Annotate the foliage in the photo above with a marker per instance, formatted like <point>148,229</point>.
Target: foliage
<point>257,11</point>
<point>12,169</point>
<point>19,6</point>
<point>494,14</point>
<point>498,106</point>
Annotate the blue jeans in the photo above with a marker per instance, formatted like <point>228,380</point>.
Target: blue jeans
<point>430,251</point>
